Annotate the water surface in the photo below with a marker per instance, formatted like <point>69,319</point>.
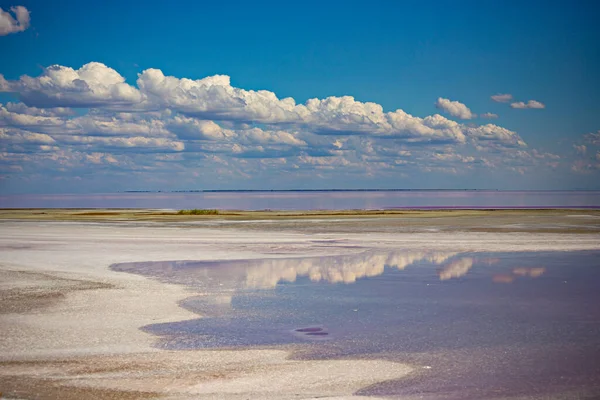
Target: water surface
<point>477,325</point>
<point>313,200</point>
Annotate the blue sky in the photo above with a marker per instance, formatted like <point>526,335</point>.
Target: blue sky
<point>97,122</point>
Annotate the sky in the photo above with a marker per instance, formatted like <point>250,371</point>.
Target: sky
<point>189,95</point>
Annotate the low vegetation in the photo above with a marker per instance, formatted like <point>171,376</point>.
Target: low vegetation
<point>198,211</point>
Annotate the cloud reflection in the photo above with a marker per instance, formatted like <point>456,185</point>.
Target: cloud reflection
<point>530,272</point>
<point>266,274</point>
<point>230,275</point>
<point>456,268</point>
<point>521,272</point>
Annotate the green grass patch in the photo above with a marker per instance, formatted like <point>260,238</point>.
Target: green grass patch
<point>198,211</point>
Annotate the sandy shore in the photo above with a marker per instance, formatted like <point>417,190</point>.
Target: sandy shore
<point>69,326</point>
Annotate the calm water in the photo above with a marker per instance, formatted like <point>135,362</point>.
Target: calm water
<point>479,325</point>
<point>317,200</point>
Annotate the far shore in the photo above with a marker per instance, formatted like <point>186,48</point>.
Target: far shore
<point>580,221</point>
<point>81,214</point>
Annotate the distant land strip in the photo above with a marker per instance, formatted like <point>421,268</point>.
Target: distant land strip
<point>348,190</point>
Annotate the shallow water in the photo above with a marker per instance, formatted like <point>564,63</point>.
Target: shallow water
<point>477,325</point>
<point>312,200</point>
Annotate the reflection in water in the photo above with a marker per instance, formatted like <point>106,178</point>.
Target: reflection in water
<point>503,278</point>
<point>493,338</point>
<point>456,268</point>
<point>523,272</point>
<point>531,272</point>
<point>266,274</point>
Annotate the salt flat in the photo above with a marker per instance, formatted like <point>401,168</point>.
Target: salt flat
<point>69,326</point>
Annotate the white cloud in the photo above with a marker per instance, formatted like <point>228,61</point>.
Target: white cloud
<point>19,136</point>
<point>32,122</point>
<point>214,98</point>
<point>502,98</point>
<point>93,85</point>
<point>195,129</point>
<point>21,108</point>
<point>592,138</point>
<point>496,133</point>
<point>544,156</point>
<point>454,108</point>
<point>118,126</point>
<point>529,104</point>
<point>580,149</point>
<point>124,142</point>
<point>18,23</point>
<point>101,158</point>
<point>453,157</point>
<point>346,116</point>
<point>4,84</point>
<point>488,115</point>
<point>246,129</point>
<point>257,135</point>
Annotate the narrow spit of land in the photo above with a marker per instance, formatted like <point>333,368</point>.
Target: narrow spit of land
<point>471,220</point>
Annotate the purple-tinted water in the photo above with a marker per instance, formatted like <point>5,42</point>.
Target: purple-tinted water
<point>315,200</point>
<point>474,325</point>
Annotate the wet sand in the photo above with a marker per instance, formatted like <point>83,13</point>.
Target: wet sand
<point>70,327</point>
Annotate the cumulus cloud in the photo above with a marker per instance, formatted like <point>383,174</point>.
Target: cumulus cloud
<point>346,116</point>
<point>13,24</point>
<point>118,125</point>
<point>454,108</point>
<point>195,129</point>
<point>139,142</point>
<point>488,115</point>
<point>529,104</point>
<point>496,133</point>
<point>92,85</point>
<point>21,108</point>
<point>214,98</point>
<point>36,123</point>
<point>502,98</point>
<point>19,136</point>
<point>261,136</point>
<point>91,113</point>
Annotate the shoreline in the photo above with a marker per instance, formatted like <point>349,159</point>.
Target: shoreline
<point>108,213</point>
